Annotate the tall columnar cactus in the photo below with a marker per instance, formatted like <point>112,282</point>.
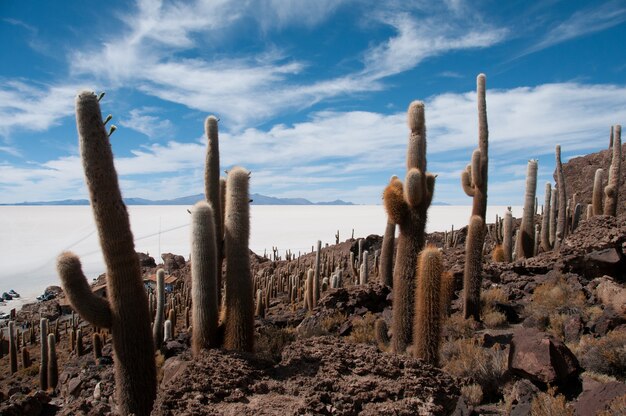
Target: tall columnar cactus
<point>125,312</point>
<point>407,206</point>
<point>474,181</point>
<point>427,306</point>
<point>157,326</point>
<point>53,367</point>
<point>43,361</point>
<point>596,196</point>
<point>561,223</point>
<point>364,272</point>
<point>96,343</point>
<point>474,177</point>
<point>386,254</point>
<point>507,235</point>
<point>545,219</point>
<point>239,318</point>
<point>526,245</point>
<point>612,188</point>
<point>213,193</point>
<point>554,198</point>
<point>204,282</point>
<point>308,290</point>
<point>12,348</point>
<point>472,276</point>
<point>316,279</point>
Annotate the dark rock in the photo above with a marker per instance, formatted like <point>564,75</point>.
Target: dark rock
<point>540,322</point>
<point>74,386</point>
<point>345,328</point>
<point>171,348</point>
<point>603,262</point>
<point>145,260</point>
<point>462,408</point>
<point>606,322</point>
<point>172,368</point>
<point>539,357</point>
<point>501,339</point>
<point>572,328</point>
<point>173,261</point>
<point>522,396</point>
<point>511,311</point>
<point>597,396</point>
<point>105,360</point>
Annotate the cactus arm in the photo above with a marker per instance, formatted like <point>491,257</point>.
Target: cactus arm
<point>416,149</point>
<point>430,189</point>
<point>94,309</point>
<point>476,173</point>
<point>414,187</point>
<point>466,182</point>
<point>395,205</point>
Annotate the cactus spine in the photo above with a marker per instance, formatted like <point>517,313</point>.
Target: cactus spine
<point>157,326</point>
<point>12,348</point>
<point>43,362</point>
<point>561,223</point>
<point>545,219</point>
<point>212,184</point>
<point>239,319</point>
<point>53,367</point>
<point>407,206</point>
<point>612,188</point>
<point>526,245</point>
<point>126,311</point>
<point>386,255</point>
<point>204,281</point>
<point>596,198</point>
<point>427,308</point>
<point>472,276</point>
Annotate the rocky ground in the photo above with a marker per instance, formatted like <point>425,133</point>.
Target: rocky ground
<point>551,341</point>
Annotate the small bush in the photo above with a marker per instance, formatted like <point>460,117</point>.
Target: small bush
<point>487,367</point>
<point>333,322</point>
<point>494,320</point>
<point>271,341</point>
<point>473,394</point>
<point>606,355</point>
<point>546,404</point>
<point>457,327</point>
<point>363,329</point>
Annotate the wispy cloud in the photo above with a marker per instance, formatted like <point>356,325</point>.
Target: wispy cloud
<point>143,121</point>
<point>583,22</point>
<point>333,152</point>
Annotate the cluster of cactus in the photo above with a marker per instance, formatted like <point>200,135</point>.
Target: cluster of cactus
<point>406,205</point>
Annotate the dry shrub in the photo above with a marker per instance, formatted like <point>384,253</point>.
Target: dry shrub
<point>332,322</point>
<point>494,320</point>
<point>467,358</point>
<point>547,404</point>
<point>473,394</point>
<point>456,327</point>
<point>271,341</point>
<point>617,407</point>
<point>363,329</point>
<point>606,355</point>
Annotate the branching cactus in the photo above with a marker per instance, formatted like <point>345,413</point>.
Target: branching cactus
<point>427,308</point>
<point>545,219</point>
<point>612,188</point>
<point>561,222</point>
<point>157,326</point>
<point>204,282</point>
<point>239,318</point>
<point>474,181</point>
<point>407,206</point>
<point>526,245</point>
<point>213,193</point>
<point>125,312</point>
<point>596,198</point>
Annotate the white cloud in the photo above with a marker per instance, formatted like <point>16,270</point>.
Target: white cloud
<point>152,126</point>
<point>334,153</point>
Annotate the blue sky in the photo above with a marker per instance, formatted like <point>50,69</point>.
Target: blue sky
<point>311,95</point>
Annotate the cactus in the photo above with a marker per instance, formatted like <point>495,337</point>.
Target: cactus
<point>612,188</point>
<point>526,245</point>
<point>381,333</point>
<point>447,293</point>
<point>553,215</point>
<point>407,206</point>
<point>157,326</point>
<point>25,358</point>
<point>561,223</point>
<point>498,254</point>
<point>472,276</point>
<point>239,318</point>
<point>167,332</point>
<point>316,280</point>
<point>545,219</point>
<point>364,272</point>
<point>96,343</point>
<point>212,185</point>
<point>426,334</point>
<point>308,290</point>
<point>43,362</point>
<point>12,348</point>
<point>596,196</point>
<point>80,350</point>
<point>507,237</point>
<point>589,211</point>
<point>204,280</point>
<point>53,367</point>
<point>125,312</point>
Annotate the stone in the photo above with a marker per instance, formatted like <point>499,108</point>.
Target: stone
<point>539,357</point>
<point>172,368</point>
<point>97,391</point>
<point>597,396</point>
<point>74,385</point>
<point>606,322</point>
<point>521,396</point>
<point>572,328</point>
<point>603,262</point>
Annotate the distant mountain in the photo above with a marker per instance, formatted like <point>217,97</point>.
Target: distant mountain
<point>257,199</point>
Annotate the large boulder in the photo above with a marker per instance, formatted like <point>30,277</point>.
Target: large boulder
<point>539,357</point>
<point>597,396</point>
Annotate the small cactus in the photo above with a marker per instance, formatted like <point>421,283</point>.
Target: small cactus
<point>53,367</point>
<point>96,342</point>
<point>561,223</point>
<point>12,348</point>
<point>43,361</point>
<point>545,219</point>
<point>596,198</point>
<point>507,235</point>
<point>426,334</point>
